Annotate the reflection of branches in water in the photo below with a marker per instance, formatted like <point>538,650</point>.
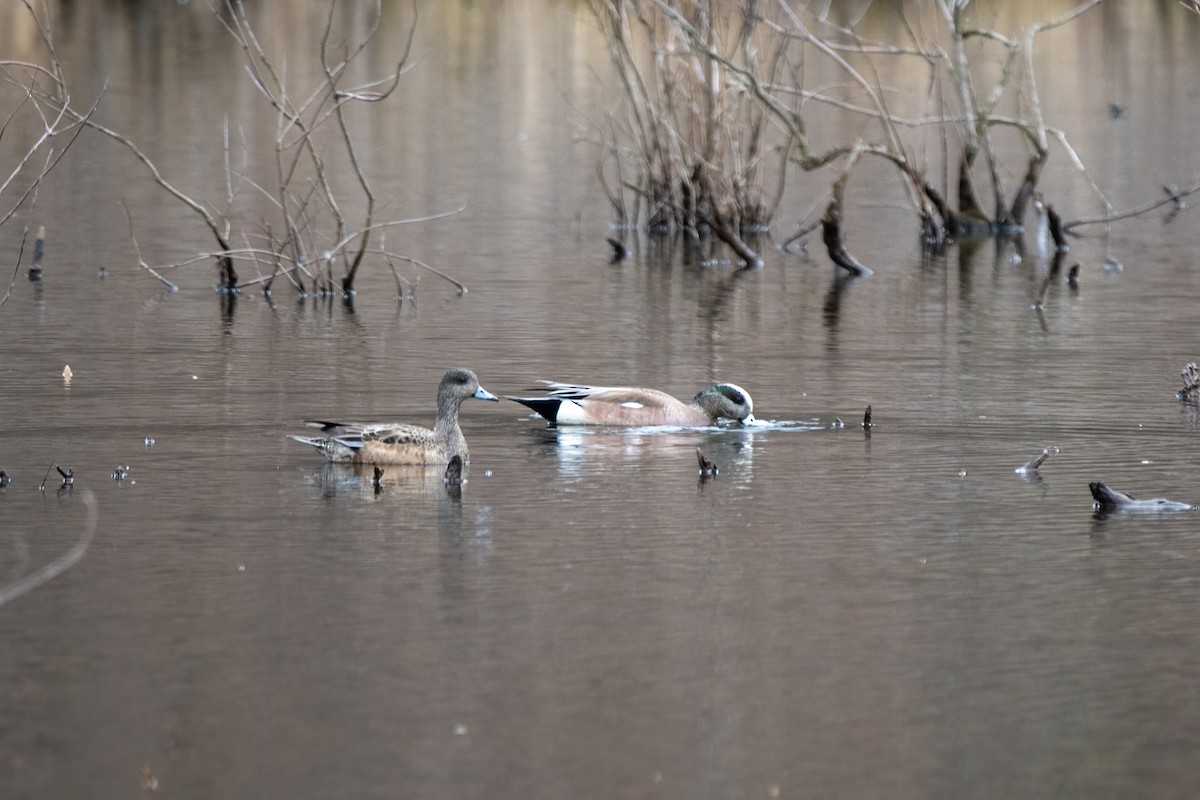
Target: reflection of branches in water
<point>831,309</point>
<point>718,304</point>
<point>61,564</point>
<point>1039,302</point>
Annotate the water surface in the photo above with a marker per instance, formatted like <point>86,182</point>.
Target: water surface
<point>837,613</point>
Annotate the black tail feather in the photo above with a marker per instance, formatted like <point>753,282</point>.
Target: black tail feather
<point>546,406</point>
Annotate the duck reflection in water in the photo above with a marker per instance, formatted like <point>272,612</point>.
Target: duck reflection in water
<point>654,453</point>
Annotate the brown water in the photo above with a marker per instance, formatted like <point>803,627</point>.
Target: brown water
<point>892,614</point>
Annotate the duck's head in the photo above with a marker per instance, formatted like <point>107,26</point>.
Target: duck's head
<point>726,401</point>
<point>462,384</point>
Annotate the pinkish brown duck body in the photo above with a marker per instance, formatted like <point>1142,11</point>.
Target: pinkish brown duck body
<point>628,406</point>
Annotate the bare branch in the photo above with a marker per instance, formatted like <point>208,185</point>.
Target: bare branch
<point>137,249</point>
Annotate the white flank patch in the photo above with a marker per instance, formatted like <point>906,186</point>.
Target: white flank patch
<point>631,404</point>
<point>571,413</point>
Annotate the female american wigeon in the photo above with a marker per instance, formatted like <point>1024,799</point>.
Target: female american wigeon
<point>570,404</point>
<point>395,443</point>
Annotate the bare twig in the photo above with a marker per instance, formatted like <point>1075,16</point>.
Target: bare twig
<point>141,261</point>
<point>1172,198</point>
<point>462,288</point>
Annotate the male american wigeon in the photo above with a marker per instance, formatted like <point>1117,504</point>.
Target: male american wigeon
<point>395,443</point>
<point>571,404</point>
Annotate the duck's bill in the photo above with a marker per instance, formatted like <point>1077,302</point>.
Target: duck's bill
<point>751,422</point>
<point>483,394</point>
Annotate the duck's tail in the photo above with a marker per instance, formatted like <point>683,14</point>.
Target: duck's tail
<point>545,406</point>
<point>334,449</point>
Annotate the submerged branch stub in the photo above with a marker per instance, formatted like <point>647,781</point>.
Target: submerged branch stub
<point>39,253</point>
<point>1031,466</point>
<point>619,251</point>
<point>726,233</point>
<point>834,237</point>
<point>228,275</point>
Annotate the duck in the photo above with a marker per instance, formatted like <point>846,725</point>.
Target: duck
<point>398,443</point>
<point>578,404</point>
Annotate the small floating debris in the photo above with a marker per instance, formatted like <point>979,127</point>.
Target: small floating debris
<point>1191,382</point>
<point>5,479</point>
<point>1180,204</point>
<point>148,441</point>
<point>837,423</point>
<point>454,472</point>
<point>377,479</point>
<point>866,423</point>
<point>1033,464</point>
<point>707,468</point>
<point>102,272</point>
<point>120,473</point>
<point>1111,264</point>
<point>68,476</point>
<point>67,374</point>
<point>149,781</point>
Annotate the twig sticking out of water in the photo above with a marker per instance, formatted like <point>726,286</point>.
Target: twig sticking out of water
<point>1073,276</point>
<point>377,479</point>
<point>42,485</point>
<point>707,468</point>
<point>5,479</point>
<point>39,252</point>
<point>454,472</point>
<point>1033,464</point>
<point>619,251</point>
<point>866,423</point>
<point>1056,230</point>
<point>453,478</point>
<point>1191,382</point>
